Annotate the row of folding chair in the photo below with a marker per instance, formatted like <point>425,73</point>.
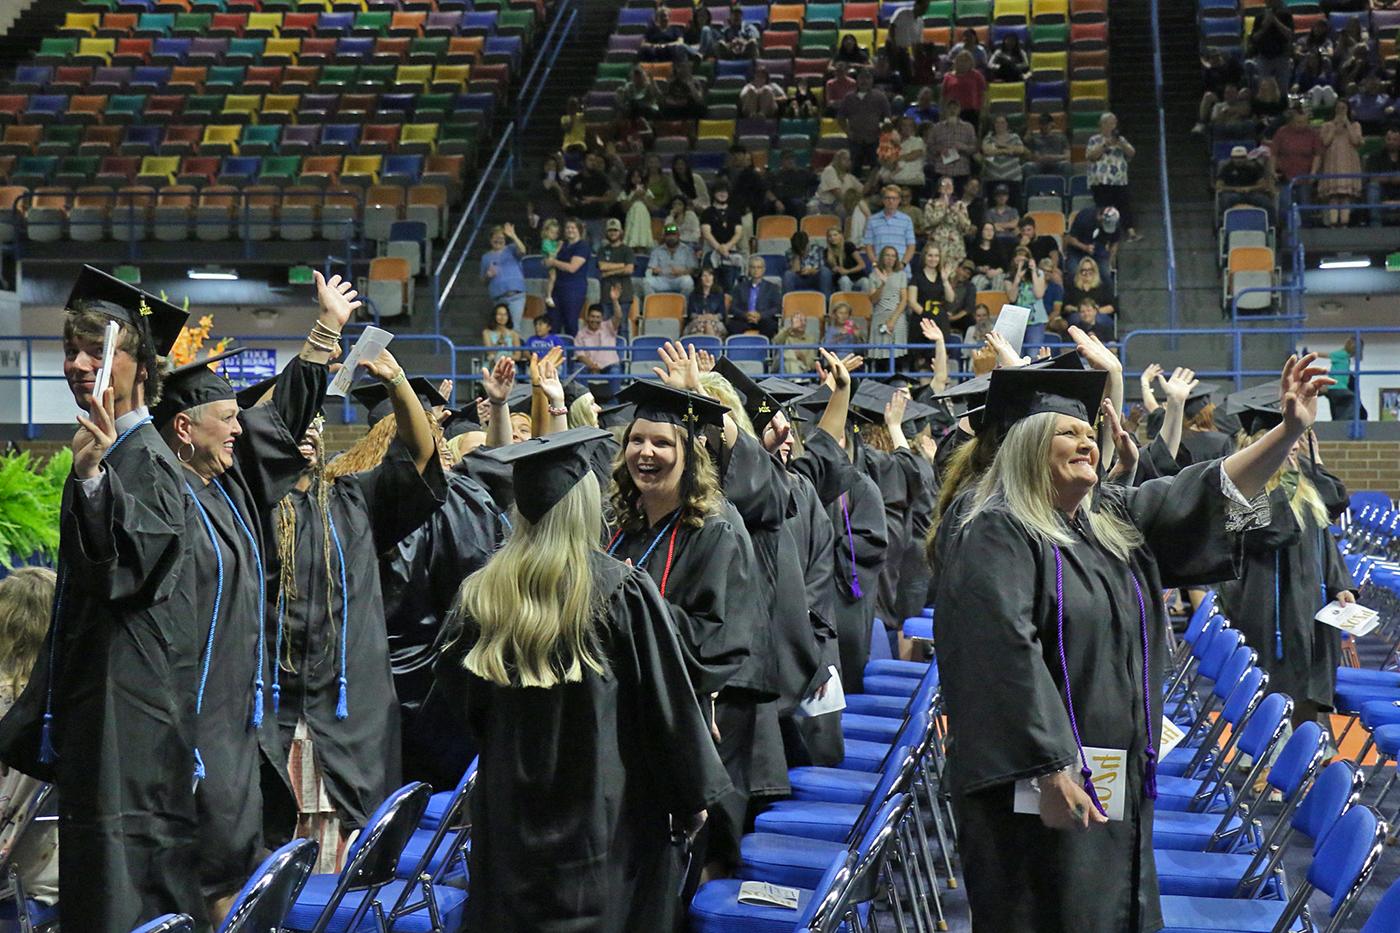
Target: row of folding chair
<point>286,6</point>
<point>428,74</point>
<point>56,54</point>
<point>407,23</point>
<point>39,145</point>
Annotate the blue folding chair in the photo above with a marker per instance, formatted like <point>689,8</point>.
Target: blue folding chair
<point>263,903</point>
<point>719,907</point>
<point>342,902</point>
<point>1385,916</point>
<point>1340,868</point>
<point>1193,756</point>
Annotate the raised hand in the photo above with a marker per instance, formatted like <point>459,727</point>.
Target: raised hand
<point>483,412</point>
<point>382,367</point>
<point>499,380</point>
<point>338,300</point>
<point>1127,449</point>
<point>930,330</point>
<point>549,383</point>
<point>894,409</point>
<point>835,375</point>
<point>96,433</point>
<point>1006,356</point>
<point>1150,375</point>
<point>1094,352</point>
<point>1178,387</point>
<point>682,366</point>
<point>1300,384</point>
<point>705,359</point>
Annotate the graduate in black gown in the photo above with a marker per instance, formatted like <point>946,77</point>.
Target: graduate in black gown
<point>1200,435</point>
<point>672,520</point>
<point>1292,568</point>
<point>597,765</point>
<point>420,576</point>
<point>1050,640</point>
<point>107,716</point>
<point>336,704</point>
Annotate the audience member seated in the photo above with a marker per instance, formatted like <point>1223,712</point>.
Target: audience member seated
<point>849,52</point>
<point>966,85</point>
<point>1232,117</point>
<point>755,303</point>
<point>906,169</point>
<point>543,339</point>
<point>796,329</point>
<point>1092,320</point>
<point>1296,146</point>
<point>924,110</point>
<point>1268,106</point>
<point>705,307</point>
<point>671,266</point>
<point>838,189</point>
<point>762,96</point>
<point>1009,62</point>
<point>982,324</point>
<point>687,222</point>
<point>1371,106</point>
<point>688,185</point>
<point>1242,180</point>
<point>842,327</point>
<point>968,42</point>
<point>1087,285</point>
<point>722,233</point>
<point>501,333</point>
<point>804,103</point>
<point>838,86</point>
<point>843,262</point>
<point>1042,246</point>
<point>1387,190</point>
<point>639,98</point>
<point>702,36</point>
<point>951,144</point>
<point>792,185</point>
<point>948,221</point>
<point>1094,232</point>
<point>596,349</point>
<point>748,186</point>
<point>890,227</point>
<point>500,267</point>
<point>806,266</point>
<point>682,96</point>
<point>1218,71</point>
<point>662,41</point>
<point>861,113</point>
<point>738,39</point>
<point>1315,81</point>
<point>1001,214</point>
<point>617,263</point>
<point>1047,150</point>
<point>1001,154</point>
<point>989,255</point>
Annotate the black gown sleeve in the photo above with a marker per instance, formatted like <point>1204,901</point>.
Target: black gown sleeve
<point>713,605</point>
<point>398,498</point>
<point>1332,489</point>
<point>1007,716</point>
<point>1282,531</point>
<point>757,485</point>
<point>125,544</point>
<point>686,767</point>
<point>825,465</point>
<point>817,552</point>
<point>1182,518</point>
<point>869,533</point>
<point>266,456</point>
<point>1338,579</point>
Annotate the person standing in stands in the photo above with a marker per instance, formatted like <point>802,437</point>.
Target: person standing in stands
<point>861,113</point>
<point>1343,397</point>
<point>107,716</point>
<point>597,766</point>
<point>1108,154</point>
<point>336,708</point>
<point>1041,583</point>
<point>570,266</point>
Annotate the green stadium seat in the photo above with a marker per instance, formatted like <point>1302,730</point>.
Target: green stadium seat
<point>124,108</point>
<point>372,23</point>
<point>257,139</point>
<point>279,170</point>
<point>191,24</point>
<point>817,40</point>
<point>247,48</point>
<point>56,49</point>
<point>155,24</point>
<point>76,170</point>
<point>823,14</point>
<point>375,76</point>
<point>224,77</point>
<point>427,48</point>
<point>60,139</point>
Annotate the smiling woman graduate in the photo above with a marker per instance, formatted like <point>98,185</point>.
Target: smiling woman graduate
<point>1050,638</point>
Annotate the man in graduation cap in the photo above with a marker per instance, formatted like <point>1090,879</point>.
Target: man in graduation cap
<point>337,708</point>
<point>236,465</point>
<point>1038,588</point>
<point>567,666</point>
<point>104,715</point>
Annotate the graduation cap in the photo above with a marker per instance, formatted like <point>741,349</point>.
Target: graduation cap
<point>520,399</point>
<point>967,398</point>
<point>869,401</point>
<point>460,421</point>
<point>156,320</point>
<point>193,384</point>
<point>783,390</point>
<point>1257,409</point>
<point>1018,393</point>
<point>545,468</point>
<point>656,401</point>
<point>1199,398</point>
<point>617,415</point>
<point>759,405</point>
<point>574,390</point>
<point>375,397</point>
<point>253,394</point>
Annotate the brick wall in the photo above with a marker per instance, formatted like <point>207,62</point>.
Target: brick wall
<point>1365,464</point>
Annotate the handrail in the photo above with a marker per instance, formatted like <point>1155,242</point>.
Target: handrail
<point>1158,80</point>
<point>474,216</point>
<point>476,192</point>
<point>1238,374</point>
<point>562,24</point>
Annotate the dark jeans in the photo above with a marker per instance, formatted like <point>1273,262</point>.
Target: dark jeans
<point>603,389</point>
<point>863,156</point>
<point>1344,404</point>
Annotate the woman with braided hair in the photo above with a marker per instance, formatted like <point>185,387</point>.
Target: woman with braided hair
<point>332,687</point>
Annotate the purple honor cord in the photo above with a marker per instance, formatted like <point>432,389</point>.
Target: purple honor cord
<point>1086,773</point>
<point>851,542</point>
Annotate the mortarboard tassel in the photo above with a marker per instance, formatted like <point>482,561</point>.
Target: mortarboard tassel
<point>1088,776</point>
<point>257,717</point>
<point>1149,776</point>
<point>46,752</point>
<point>198,766</point>
<point>258,703</point>
<point>342,705</point>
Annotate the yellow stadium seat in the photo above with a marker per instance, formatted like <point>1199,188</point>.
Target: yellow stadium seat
<point>451,77</point>
<point>96,48</point>
<point>716,129</point>
<point>418,137</point>
<point>220,138</point>
<point>413,77</point>
<point>1050,11</point>
<point>285,49</point>
<point>1011,12</point>
<point>361,169</point>
<point>85,23</point>
<point>267,24</point>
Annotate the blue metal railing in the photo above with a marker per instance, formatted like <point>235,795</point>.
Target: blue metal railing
<point>1236,371</point>
<point>1159,93</point>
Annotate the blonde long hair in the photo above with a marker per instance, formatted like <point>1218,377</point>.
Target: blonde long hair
<point>968,464</point>
<point>581,413</point>
<point>722,390</point>
<point>1020,479</point>
<point>1306,502</point>
<point>26,599</point>
<point>535,602</point>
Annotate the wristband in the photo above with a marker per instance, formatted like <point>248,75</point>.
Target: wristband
<point>399,379</point>
<point>558,411</point>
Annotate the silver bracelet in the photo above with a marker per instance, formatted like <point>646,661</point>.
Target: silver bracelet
<point>398,380</point>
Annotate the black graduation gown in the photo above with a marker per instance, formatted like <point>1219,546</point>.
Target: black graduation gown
<point>570,815</point>
<point>359,755</point>
<point>235,754</point>
<point>1332,490</point>
<point>420,577</point>
<point>123,697</point>
<point>898,478</point>
<point>1291,570</point>
<point>914,574</point>
<point>1154,461</point>
<point>999,656</point>
<point>859,522</point>
<point>821,739</point>
<point>1207,445</point>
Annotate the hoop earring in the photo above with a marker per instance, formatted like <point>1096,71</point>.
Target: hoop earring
<point>178,450</point>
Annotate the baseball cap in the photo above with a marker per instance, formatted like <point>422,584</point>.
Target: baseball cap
<point>670,228</point>
<point>1109,222</point>
<point>1239,152</point>
<point>613,224</point>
